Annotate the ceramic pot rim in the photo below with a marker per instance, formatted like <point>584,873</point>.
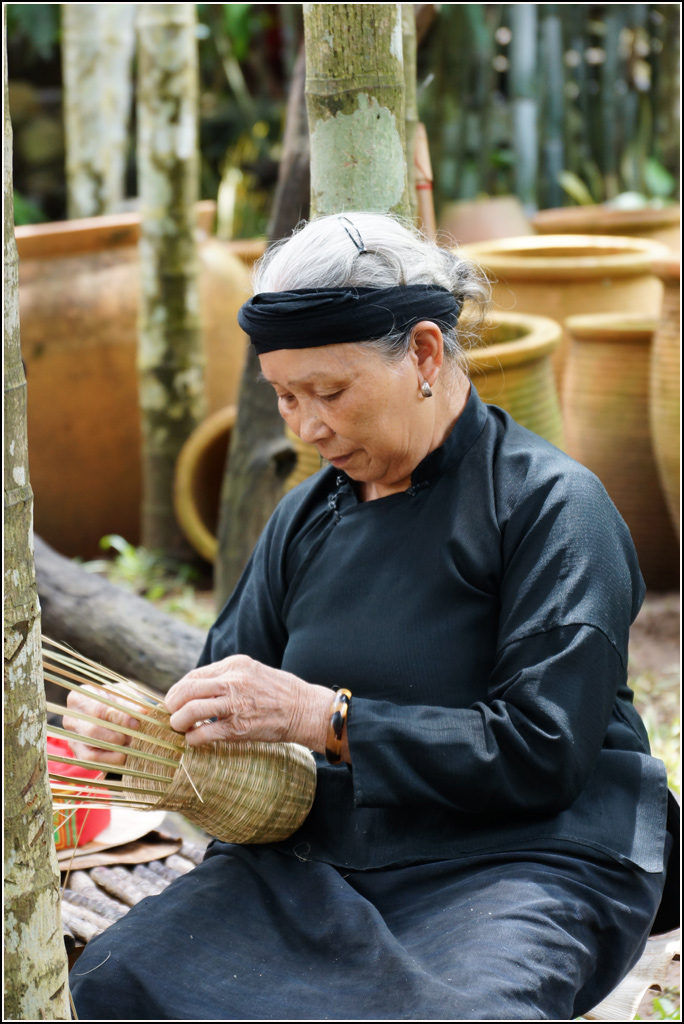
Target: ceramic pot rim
<point>187,473</point>
<point>527,257</point>
<point>91,234</point>
<point>620,328</point>
<point>561,219</point>
<point>543,336</point>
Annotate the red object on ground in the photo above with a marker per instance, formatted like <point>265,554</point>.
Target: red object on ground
<point>82,824</point>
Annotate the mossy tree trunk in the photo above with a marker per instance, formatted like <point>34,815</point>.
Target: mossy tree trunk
<point>355,96</point>
<point>356,113</point>
<point>35,961</point>
<point>260,457</point>
<point>170,357</point>
<point>410,51</point>
<point>97,48</point>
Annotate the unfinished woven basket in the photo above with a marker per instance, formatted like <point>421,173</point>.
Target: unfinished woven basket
<point>241,792</point>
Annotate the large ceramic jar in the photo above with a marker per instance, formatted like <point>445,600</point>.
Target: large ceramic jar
<point>607,429</point>
<point>665,386</point>
<point>662,225</point>
<point>79,299</point>
<point>563,275</point>
<point>199,478</point>
<point>510,366</point>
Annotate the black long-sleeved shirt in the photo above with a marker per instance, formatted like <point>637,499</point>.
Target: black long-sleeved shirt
<point>481,621</point>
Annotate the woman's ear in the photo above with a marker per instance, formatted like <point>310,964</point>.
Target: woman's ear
<point>427,349</point>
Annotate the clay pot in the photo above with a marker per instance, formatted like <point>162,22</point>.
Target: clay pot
<point>484,219</point>
<point>79,299</point>
<point>511,367</point>
<point>607,429</point>
<point>199,476</point>
<point>658,225</point>
<point>665,387</point>
<point>563,275</point>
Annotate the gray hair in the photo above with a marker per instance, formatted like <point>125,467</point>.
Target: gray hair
<point>324,254</point>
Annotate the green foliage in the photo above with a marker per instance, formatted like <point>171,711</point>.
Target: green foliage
<point>36,27</point>
<point>665,1006</point>
<point>149,573</point>
<point>26,212</point>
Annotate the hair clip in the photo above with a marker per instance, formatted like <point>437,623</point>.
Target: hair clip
<point>361,247</point>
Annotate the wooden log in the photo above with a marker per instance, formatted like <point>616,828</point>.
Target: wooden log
<point>121,883</point>
<point>111,910</point>
<point>120,630</point>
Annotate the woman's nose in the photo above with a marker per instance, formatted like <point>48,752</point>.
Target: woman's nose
<point>311,428</point>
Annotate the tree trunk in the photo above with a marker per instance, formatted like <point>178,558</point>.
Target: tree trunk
<point>355,101</point>
<point>523,86</point>
<point>35,959</point>
<point>120,630</point>
<point>554,104</point>
<point>97,48</point>
<point>410,49</point>
<point>260,458</point>
<point>170,342</point>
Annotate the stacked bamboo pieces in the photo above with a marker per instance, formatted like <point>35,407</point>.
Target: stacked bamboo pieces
<point>240,792</point>
<point>93,900</point>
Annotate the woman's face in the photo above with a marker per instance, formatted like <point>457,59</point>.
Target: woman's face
<point>364,415</point>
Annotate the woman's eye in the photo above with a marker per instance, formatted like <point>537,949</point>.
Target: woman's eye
<point>332,396</point>
<point>287,399</point>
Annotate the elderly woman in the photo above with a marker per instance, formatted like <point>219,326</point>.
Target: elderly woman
<point>442,615</point>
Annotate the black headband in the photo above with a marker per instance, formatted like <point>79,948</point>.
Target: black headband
<point>311,317</point>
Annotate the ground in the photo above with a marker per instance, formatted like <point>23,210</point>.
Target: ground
<point>654,669</point>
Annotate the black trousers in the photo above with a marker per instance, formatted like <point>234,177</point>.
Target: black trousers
<point>253,934</point>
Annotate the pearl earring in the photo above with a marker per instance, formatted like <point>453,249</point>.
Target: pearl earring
<point>426,389</point>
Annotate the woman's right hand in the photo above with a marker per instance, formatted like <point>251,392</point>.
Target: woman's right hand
<point>78,700</point>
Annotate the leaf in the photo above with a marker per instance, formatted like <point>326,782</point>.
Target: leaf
<point>113,540</point>
<point>575,188</point>
<point>658,180</point>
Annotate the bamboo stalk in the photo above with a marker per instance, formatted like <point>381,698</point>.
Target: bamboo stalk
<point>121,883</point>
<point>98,904</point>
<point>180,864</point>
<point>151,878</point>
<point>98,766</point>
<point>55,730</point>
<point>193,851</point>
<point>161,869</point>
<point>81,926</point>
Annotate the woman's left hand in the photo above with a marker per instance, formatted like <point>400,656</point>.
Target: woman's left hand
<point>249,701</point>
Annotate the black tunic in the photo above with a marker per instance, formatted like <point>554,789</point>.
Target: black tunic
<point>481,621</point>
<point>496,851</point>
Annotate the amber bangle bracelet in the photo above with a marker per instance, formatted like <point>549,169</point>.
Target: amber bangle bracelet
<point>338,716</point>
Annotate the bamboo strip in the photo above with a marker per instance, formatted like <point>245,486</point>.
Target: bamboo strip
<point>55,730</point>
<point>74,658</point>
<point>99,766</point>
<point>114,726</point>
<point>64,801</point>
<point>94,695</point>
<point>67,781</point>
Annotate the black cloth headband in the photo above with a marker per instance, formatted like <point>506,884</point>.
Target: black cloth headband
<point>309,318</point>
